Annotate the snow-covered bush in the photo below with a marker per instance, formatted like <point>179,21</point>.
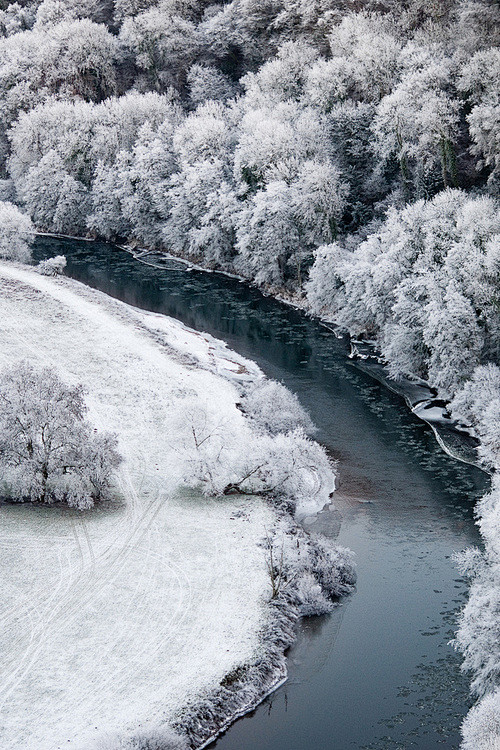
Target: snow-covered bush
<point>16,233</point>
<point>52,266</point>
<point>290,468</point>
<point>310,597</point>
<point>274,408</point>
<point>330,573</point>
<point>48,452</point>
<point>310,570</point>
<point>333,566</point>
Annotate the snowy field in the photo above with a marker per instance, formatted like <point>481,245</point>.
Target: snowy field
<point>114,618</point>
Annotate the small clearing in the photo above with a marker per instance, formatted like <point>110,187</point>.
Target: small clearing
<point>114,618</point>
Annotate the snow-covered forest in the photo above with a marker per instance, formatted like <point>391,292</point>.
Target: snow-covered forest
<point>343,153</point>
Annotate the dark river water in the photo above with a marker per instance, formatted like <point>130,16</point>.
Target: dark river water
<point>378,673</point>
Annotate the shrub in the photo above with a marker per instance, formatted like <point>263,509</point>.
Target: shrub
<point>16,233</point>
<point>273,408</point>
<point>52,266</point>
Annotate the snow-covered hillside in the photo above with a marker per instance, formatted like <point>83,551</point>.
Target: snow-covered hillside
<point>114,618</point>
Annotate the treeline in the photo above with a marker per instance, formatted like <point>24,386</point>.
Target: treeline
<point>244,136</point>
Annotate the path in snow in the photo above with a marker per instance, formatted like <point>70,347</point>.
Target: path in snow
<point>114,618</point>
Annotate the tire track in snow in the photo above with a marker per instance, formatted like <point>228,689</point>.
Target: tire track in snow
<point>162,590</point>
<point>66,603</point>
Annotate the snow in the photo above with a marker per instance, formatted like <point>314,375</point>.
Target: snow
<point>429,412</point>
<point>115,618</point>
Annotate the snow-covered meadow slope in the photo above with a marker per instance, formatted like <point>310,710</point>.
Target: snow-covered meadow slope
<point>116,618</point>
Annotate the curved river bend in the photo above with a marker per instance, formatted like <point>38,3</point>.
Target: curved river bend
<point>377,674</point>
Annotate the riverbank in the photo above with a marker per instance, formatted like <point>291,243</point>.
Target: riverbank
<point>458,441</point>
<point>183,579</point>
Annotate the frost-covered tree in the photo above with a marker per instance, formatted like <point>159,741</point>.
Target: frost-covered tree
<point>65,128</point>
<point>366,50</point>
<point>324,283</point>
<point>84,134</point>
<point>16,233</point>
<point>118,121</point>
<point>120,149</point>
<point>152,163</point>
<point>130,196</point>
<point>408,286</point>
<point>16,17</point>
<point>478,636</point>
<point>350,130</point>
<point>481,389</point>
<point>484,126</point>
<point>326,83</point>
<point>479,79</point>
<point>291,468</point>
<point>417,122</point>
<point>202,215</point>
<point>164,42</point>
<point>281,79</point>
<point>319,199</point>
<point>73,59</point>
<point>477,27</point>
<point>53,198</point>
<point>477,404</point>
<point>274,143</point>
<point>111,190</point>
<point>51,12</point>
<point>206,83</point>
<point>452,334</point>
<point>268,238</point>
<point>125,8</point>
<point>48,451</point>
<point>404,340</point>
<point>205,134</point>
<point>288,468</point>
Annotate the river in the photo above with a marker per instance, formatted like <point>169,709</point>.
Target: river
<point>379,673</point>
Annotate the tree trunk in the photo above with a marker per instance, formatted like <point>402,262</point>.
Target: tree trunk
<point>45,476</point>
